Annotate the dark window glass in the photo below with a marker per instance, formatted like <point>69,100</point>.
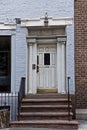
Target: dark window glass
<point>5,63</point>
<point>47,59</point>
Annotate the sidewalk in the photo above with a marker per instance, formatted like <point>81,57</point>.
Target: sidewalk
<point>82,126</point>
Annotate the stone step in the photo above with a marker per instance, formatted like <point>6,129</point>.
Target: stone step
<point>45,108</point>
<point>47,95</point>
<point>45,111</point>
<point>65,124</point>
<point>45,101</point>
<point>44,115</point>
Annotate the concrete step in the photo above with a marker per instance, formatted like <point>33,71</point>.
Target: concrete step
<point>65,124</point>
<point>53,101</point>
<point>44,115</point>
<point>45,108</point>
<point>46,111</point>
<point>46,95</point>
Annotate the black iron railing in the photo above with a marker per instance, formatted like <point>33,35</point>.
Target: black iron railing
<point>12,101</point>
<point>68,78</point>
<point>21,94</point>
<point>9,101</point>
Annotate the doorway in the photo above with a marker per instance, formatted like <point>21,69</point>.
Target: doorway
<point>46,67</point>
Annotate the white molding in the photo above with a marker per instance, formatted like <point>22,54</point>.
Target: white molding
<point>63,68</point>
<point>27,69</point>
<point>34,73</point>
<point>47,39</point>
<point>30,69</point>
<point>51,22</point>
<point>31,40</point>
<point>32,44</point>
<point>58,67</point>
<point>13,63</point>
<point>8,26</point>
<point>31,73</point>
<point>61,65</point>
<point>61,39</point>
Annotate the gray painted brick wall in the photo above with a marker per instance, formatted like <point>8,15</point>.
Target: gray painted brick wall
<point>34,9</point>
<point>11,9</point>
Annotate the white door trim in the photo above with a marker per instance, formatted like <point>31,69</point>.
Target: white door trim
<point>31,60</point>
<point>61,64</point>
<point>31,81</point>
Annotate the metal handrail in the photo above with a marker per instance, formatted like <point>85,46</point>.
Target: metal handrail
<point>12,101</point>
<point>68,78</point>
<point>21,94</point>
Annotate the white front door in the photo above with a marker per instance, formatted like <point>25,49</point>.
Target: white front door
<point>46,66</point>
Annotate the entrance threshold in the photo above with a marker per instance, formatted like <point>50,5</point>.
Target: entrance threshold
<point>47,90</point>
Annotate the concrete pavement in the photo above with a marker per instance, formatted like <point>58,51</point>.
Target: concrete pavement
<point>82,126</point>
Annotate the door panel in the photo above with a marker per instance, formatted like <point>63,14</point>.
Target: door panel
<point>46,77</point>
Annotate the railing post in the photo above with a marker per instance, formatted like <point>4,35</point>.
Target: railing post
<point>21,94</point>
<point>68,98</point>
<point>18,104</point>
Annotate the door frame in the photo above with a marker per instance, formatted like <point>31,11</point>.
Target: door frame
<point>31,75</point>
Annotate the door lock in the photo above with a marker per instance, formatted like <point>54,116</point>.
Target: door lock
<point>37,63</point>
<point>37,68</point>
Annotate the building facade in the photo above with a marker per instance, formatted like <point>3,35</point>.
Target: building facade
<point>36,42</point>
<point>81,55</point>
<point>23,31</point>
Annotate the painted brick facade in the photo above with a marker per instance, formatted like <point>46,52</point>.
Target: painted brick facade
<point>35,9</point>
<point>81,52</point>
<point>32,9</point>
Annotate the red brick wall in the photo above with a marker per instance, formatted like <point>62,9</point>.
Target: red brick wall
<point>81,52</point>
